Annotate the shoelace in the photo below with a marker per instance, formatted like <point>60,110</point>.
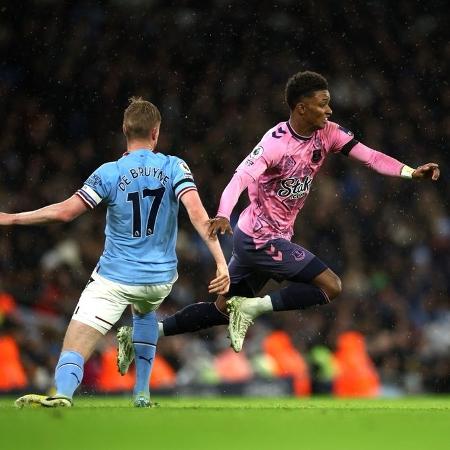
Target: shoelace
<point>241,322</point>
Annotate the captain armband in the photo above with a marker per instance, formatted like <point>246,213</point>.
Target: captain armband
<point>407,171</point>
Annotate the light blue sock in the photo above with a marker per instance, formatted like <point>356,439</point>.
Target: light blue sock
<point>145,337</point>
<point>68,373</point>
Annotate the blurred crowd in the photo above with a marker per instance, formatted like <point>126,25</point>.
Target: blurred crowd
<point>217,72</point>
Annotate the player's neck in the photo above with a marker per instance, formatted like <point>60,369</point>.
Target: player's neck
<point>140,145</point>
<point>300,128</point>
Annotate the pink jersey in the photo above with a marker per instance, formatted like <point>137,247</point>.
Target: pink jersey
<point>283,166</point>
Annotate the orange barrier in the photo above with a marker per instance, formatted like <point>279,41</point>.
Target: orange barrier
<point>232,367</point>
<point>357,376</point>
<point>289,361</point>
<point>7,304</point>
<point>12,373</point>
<point>162,374</point>
<point>109,379</point>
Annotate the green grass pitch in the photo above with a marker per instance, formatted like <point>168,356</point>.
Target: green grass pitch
<point>222,423</point>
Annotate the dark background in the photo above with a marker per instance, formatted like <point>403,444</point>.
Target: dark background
<point>217,71</point>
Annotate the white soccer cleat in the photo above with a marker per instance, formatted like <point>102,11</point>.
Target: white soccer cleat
<point>36,400</point>
<point>142,400</point>
<point>242,311</point>
<point>125,351</point>
<point>57,401</point>
<point>32,400</point>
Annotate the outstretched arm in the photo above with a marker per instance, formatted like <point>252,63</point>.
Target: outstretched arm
<point>386,165</point>
<point>64,211</point>
<point>199,219</point>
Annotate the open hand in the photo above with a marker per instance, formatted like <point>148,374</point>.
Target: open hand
<point>220,284</point>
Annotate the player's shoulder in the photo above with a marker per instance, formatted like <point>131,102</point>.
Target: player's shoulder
<point>278,133</point>
<point>179,165</point>
<point>332,127</point>
<point>108,169</point>
<point>275,138</point>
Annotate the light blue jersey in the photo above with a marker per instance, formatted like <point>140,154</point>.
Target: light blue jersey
<point>142,191</point>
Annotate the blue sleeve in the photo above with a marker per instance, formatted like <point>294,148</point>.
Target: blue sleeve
<point>182,177</point>
<point>98,186</point>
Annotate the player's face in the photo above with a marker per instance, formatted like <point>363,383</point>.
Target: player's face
<point>315,110</point>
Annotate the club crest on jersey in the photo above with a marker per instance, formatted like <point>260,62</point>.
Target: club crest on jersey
<point>294,188</point>
<point>316,155</point>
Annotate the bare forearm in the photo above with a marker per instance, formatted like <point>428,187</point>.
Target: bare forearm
<point>199,219</point>
<point>57,212</point>
<point>48,214</point>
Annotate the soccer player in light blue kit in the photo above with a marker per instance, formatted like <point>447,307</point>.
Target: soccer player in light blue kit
<point>138,266</point>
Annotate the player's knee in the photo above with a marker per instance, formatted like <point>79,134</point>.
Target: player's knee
<point>333,287</point>
<point>221,304</point>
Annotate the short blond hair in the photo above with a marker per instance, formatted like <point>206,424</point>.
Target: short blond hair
<point>140,118</point>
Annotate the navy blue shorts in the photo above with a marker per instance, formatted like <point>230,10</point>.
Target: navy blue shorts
<point>279,259</point>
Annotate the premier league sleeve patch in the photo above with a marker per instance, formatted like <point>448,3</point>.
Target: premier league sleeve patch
<point>185,168</point>
<point>344,130</point>
<point>93,181</point>
<point>257,152</point>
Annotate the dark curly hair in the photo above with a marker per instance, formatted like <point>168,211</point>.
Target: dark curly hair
<point>303,84</point>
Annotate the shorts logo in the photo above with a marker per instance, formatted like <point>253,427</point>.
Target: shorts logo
<point>274,253</point>
<point>299,255</point>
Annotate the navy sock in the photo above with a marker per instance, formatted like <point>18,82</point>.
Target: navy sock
<point>68,373</point>
<point>298,296</point>
<point>194,317</point>
<point>145,337</point>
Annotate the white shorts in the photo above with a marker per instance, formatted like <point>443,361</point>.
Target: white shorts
<point>103,301</point>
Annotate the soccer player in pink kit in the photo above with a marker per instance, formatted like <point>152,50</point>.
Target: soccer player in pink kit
<point>278,174</point>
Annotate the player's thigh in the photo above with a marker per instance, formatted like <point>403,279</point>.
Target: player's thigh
<point>292,262</point>
<point>81,338</point>
<point>245,279</point>
<point>279,259</point>
<point>151,297</point>
<point>101,304</point>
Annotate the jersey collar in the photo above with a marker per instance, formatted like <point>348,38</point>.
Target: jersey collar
<point>139,150</point>
<point>295,134</point>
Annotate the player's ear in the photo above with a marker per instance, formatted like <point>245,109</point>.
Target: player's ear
<point>300,107</point>
<point>155,132</point>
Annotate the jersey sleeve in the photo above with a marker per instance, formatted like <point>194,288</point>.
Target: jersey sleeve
<point>339,139</point>
<point>97,187</point>
<point>183,180</point>
<point>265,155</point>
